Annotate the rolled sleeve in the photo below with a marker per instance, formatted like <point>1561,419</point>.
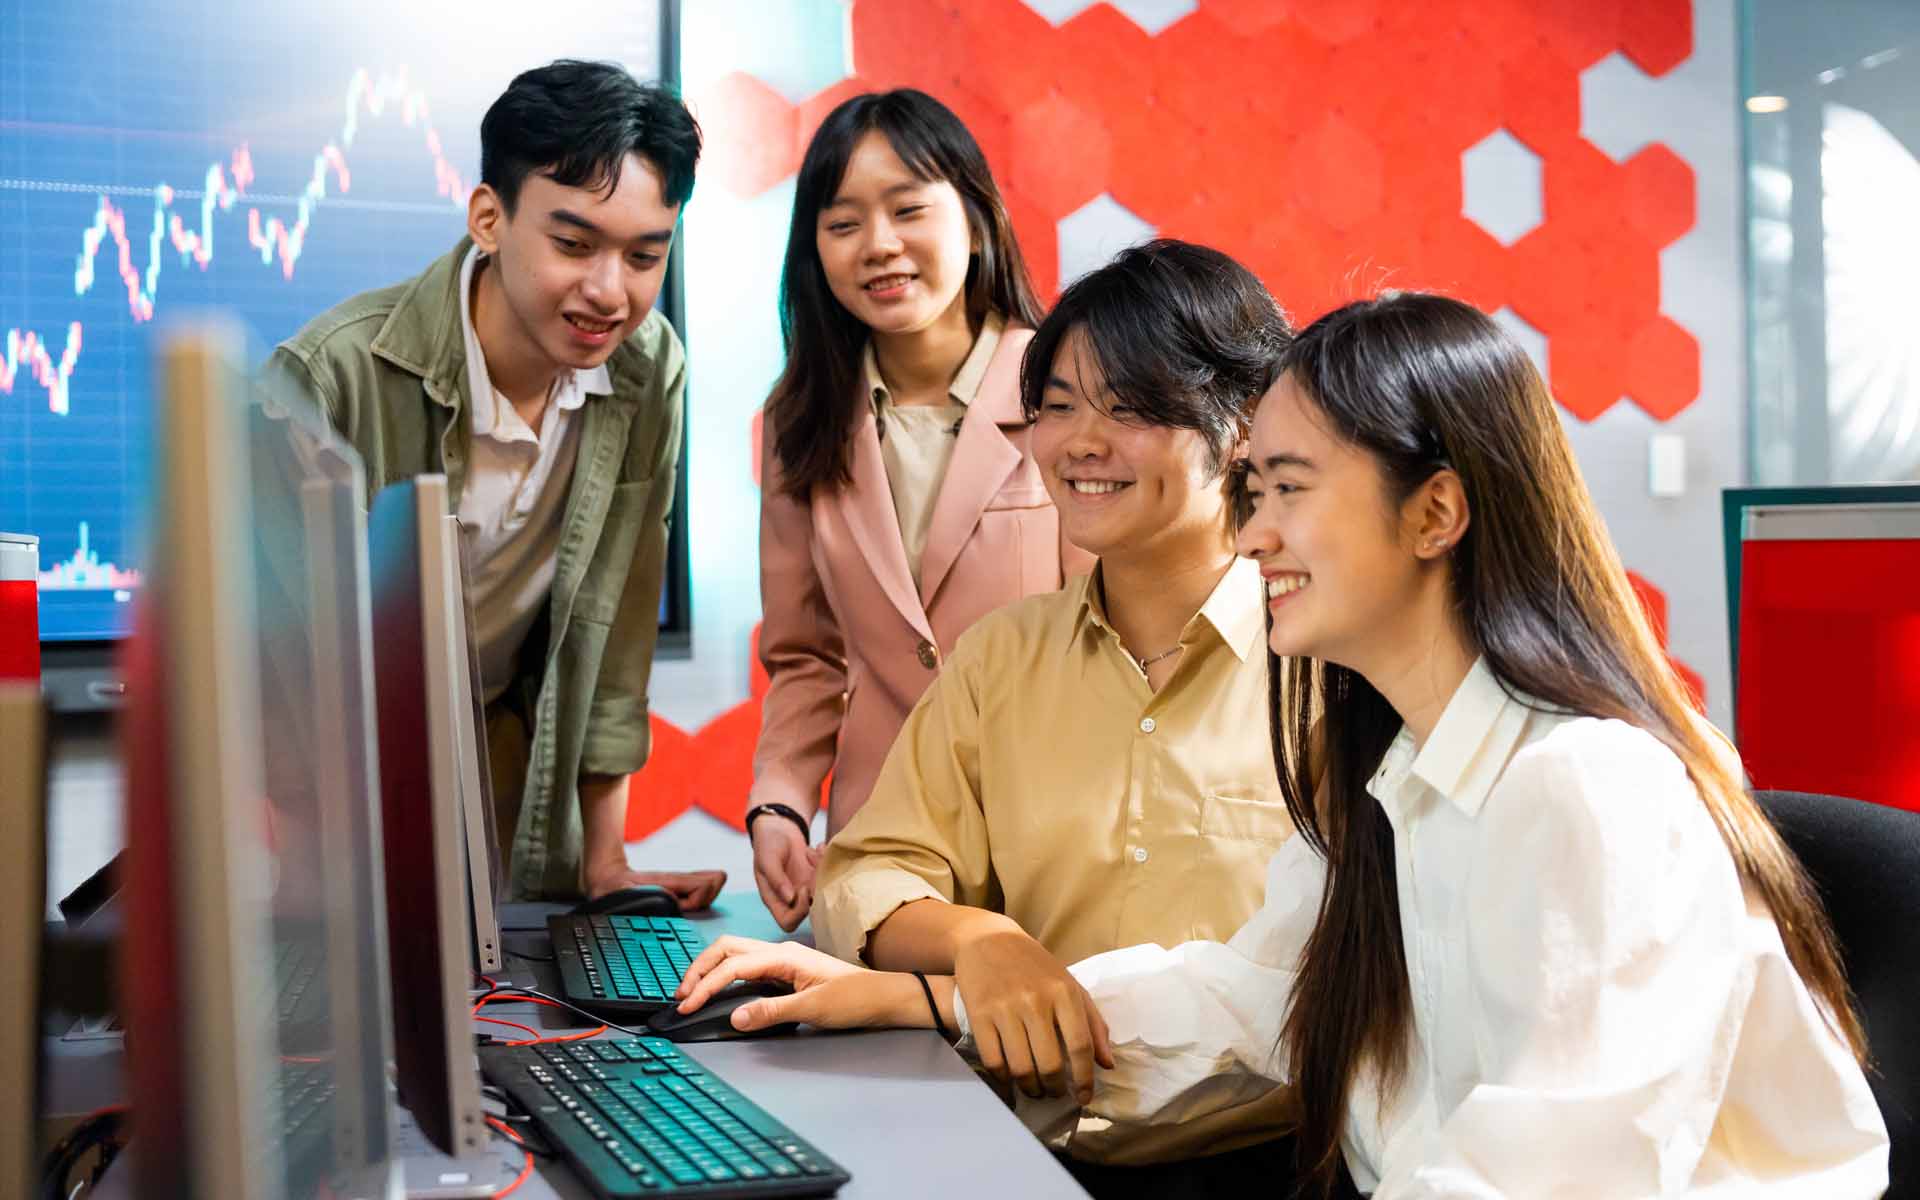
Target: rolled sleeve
<point>1196,1028</point>
<point>922,833</point>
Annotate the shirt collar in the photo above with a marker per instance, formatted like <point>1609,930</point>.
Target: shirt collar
<point>1236,609</point>
<point>966,382</point>
<point>570,391</point>
<point>1233,609</point>
<point>1465,754</point>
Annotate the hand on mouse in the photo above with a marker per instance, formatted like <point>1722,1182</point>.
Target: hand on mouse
<point>783,867</point>
<point>1032,1022</point>
<point>694,890</point>
<point>827,992</point>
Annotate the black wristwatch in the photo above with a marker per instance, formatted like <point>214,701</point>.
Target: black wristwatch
<point>780,810</point>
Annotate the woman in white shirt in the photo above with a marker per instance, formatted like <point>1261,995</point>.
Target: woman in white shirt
<point>1537,939</point>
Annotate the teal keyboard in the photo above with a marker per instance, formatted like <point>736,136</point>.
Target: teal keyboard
<point>638,1118</point>
<point>622,967</point>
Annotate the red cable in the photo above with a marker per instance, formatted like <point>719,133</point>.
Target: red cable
<point>533,1035</point>
<point>526,1168</point>
<point>526,1029</point>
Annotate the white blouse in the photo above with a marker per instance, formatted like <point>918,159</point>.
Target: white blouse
<point>1599,1008</point>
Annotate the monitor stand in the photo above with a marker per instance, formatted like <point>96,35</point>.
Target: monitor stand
<point>427,1174</point>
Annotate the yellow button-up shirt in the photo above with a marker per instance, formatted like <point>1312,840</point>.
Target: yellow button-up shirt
<point>1040,776</point>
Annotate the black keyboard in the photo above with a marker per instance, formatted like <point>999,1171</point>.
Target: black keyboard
<point>636,1117</point>
<point>295,964</point>
<point>622,967</point>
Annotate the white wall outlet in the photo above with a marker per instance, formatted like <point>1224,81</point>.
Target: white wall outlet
<point>1666,465</point>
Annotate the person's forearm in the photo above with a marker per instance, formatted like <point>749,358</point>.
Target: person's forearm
<point>926,935</point>
<point>603,820</point>
<point>904,1005</point>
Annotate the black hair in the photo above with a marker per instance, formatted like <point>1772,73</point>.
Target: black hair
<point>1185,337</point>
<point>811,409</point>
<point>575,122</point>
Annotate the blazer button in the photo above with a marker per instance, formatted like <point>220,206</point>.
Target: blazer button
<point>929,657</point>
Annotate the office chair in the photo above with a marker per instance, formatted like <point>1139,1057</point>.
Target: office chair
<point>1865,860</point>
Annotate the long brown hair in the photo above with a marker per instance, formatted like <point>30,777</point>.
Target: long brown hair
<point>809,414</point>
<point>1423,383</point>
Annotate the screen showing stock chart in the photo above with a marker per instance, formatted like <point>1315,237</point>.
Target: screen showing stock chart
<point>162,158</point>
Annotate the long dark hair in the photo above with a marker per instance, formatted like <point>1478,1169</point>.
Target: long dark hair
<point>1423,383</point>
<point>810,412</point>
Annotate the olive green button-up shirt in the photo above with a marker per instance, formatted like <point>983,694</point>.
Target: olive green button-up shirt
<point>388,369</point>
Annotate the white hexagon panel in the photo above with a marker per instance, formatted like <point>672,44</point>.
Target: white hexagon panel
<point>1094,233</point>
<point>1500,186</point>
<point>1615,100</point>
<point>1150,15</point>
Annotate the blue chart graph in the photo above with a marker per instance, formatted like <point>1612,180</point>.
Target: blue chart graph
<point>162,157</point>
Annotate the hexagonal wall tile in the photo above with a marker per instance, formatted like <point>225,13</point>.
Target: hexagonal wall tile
<point>1347,170</point>
<point>1500,181</point>
<point>1660,201</point>
<point>1246,16</point>
<point>1150,15</point>
<point>1657,34</point>
<point>1094,233</point>
<point>1060,153</point>
<point>761,148</point>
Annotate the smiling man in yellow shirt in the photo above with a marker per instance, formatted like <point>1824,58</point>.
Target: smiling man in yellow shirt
<point>1082,775</point>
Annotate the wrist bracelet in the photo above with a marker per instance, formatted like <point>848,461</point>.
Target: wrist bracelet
<point>781,810</point>
<point>933,1007</point>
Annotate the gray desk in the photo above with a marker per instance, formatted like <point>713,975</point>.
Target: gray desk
<point>897,1108</point>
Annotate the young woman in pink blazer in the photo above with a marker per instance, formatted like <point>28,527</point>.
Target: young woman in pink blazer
<point>899,499</point>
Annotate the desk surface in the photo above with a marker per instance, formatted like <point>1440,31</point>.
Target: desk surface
<point>897,1108</point>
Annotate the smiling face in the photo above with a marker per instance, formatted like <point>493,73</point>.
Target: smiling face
<point>894,247</point>
<point>1346,566</point>
<point>578,269</point>
<point>1122,487</point>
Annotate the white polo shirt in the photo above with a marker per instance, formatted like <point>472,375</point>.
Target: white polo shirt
<point>515,498</point>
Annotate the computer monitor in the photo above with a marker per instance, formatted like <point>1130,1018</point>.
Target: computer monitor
<point>416,645</point>
<point>476,774</point>
<point>345,795</point>
<point>1829,646</point>
<point>23,899</point>
<point>197,942</point>
<point>256,1031</point>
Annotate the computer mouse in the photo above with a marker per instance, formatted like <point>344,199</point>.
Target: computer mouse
<point>713,1021</point>
<point>643,901</point>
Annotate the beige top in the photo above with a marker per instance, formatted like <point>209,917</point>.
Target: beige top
<point>917,440</point>
<point>1041,776</point>
<point>514,498</point>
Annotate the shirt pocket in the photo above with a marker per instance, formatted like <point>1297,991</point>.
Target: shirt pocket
<point>1241,819</point>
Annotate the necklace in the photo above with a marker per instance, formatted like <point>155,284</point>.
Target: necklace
<point>1151,659</point>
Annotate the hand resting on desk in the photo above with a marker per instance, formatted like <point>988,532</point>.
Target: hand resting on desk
<point>831,994</point>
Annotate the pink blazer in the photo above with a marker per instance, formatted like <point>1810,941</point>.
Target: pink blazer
<point>847,643</point>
